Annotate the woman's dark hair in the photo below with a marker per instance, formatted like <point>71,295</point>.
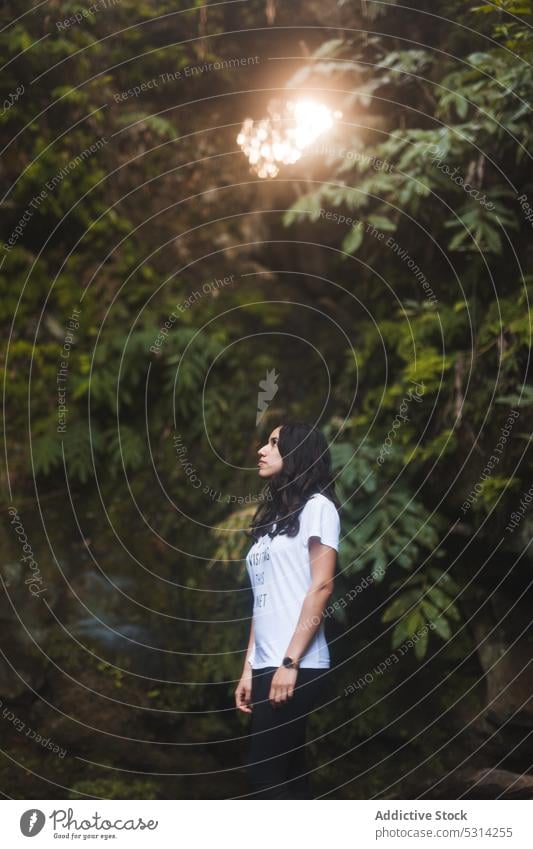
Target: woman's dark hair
<point>306,470</point>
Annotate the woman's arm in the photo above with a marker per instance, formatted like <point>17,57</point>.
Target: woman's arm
<point>251,641</point>
<point>243,693</point>
<point>322,559</point>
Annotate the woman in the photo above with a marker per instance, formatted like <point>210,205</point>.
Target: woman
<point>291,567</point>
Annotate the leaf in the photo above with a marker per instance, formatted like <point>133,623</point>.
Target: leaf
<point>414,620</point>
<point>310,205</point>
<point>458,240</point>
<point>125,448</point>
<point>46,451</point>
<point>160,126</point>
<point>439,598</point>
<point>430,609</point>
<point>524,398</point>
<point>354,239</point>
<point>400,605</point>
<point>442,628</point>
<point>421,645</point>
<point>382,223</point>
<point>400,633</point>
<point>329,48</point>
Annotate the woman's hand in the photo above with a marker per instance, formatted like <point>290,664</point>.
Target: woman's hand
<point>243,693</point>
<point>282,686</point>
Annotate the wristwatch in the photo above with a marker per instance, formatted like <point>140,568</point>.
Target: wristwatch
<point>289,663</point>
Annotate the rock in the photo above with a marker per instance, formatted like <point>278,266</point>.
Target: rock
<point>481,783</point>
<point>494,783</point>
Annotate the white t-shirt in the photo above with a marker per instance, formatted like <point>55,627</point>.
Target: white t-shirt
<point>280,575</point>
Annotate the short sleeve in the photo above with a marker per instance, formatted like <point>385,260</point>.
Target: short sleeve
<point>320,518</point>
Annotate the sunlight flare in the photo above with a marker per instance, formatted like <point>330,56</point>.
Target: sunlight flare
<point>282,138</point>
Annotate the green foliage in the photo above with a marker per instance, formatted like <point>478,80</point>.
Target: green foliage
<point>131,230</point>
<point>232,542</point>
<point>382,527</point>
<point>425,604</point>
<point>440,189</point>
<point>114,788</point>
<point>492,489</point>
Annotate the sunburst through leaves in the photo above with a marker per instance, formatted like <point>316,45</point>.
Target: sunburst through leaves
<point>282,138</point>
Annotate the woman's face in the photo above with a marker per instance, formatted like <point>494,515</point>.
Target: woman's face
<point>270,460</point>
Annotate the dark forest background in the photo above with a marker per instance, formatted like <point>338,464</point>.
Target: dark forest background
<point>128,656</point>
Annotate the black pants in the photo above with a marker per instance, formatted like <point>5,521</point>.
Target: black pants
<point>276,763</point>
